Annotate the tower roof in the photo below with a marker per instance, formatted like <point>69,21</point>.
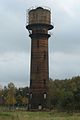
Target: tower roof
<point>39,8</point>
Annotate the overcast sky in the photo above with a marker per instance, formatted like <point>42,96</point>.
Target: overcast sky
<point>64,44</point>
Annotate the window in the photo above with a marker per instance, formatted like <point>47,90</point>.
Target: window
<point>44,82</point>
<point>44,55</point>
<point>30,82</point>
<point>30,95</point>
<point>45,96</point>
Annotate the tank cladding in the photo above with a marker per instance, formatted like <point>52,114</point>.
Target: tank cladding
<point>39,21</point>
<point>39,16</point>
<point>38,25</point>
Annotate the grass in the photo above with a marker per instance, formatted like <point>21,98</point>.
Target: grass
<point>19,115</point>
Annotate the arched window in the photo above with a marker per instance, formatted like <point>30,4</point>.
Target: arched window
<point>45,95</point>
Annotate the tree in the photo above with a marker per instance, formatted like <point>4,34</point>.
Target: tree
<point>77,99</point>
<point>10,98</point>
<point>24,101</point>
<point>1,96</point>
<point>67,101</point>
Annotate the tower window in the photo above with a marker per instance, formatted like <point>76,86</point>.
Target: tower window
<point>44,55</point>
<point>44,82</point>
<point>45,96</point>
<point>30,95</point>
<point>30,82</point>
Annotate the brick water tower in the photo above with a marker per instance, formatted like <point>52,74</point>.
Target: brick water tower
<point>39,23</point>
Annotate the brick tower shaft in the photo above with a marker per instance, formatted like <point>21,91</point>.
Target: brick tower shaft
<point>39,24</point>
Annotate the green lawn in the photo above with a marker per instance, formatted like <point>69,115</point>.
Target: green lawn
<point>38,116</point>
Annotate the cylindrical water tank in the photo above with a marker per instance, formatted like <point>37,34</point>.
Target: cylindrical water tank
<point>39,16</point>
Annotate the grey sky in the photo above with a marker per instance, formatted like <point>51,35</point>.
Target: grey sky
<point>64,44</point>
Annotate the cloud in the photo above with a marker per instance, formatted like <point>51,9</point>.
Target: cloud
<point>15,44</point>
<point>13,33</point>
<point>68,10</point>
<point>66,36</point>
<point>64,65</point>
<point>69,7</point>
<point>15,67</point>
<point>65,40</point>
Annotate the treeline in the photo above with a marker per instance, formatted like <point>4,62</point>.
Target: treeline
<point>64,94</point>
<point>14,97</point>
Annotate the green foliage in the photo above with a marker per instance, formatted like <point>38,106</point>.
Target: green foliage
<point>64,94</point>
<point>22,96</point>
<point>10,98</point>
<point>24,101</point>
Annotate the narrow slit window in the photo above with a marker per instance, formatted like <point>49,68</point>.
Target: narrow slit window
<point>44,55</point>
<point>31,82</point>
<point>44,82</point>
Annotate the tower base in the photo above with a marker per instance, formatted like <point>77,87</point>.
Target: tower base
<point>38,101</point>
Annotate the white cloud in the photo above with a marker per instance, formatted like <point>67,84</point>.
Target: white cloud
<point>15,67</point>
<point>68,10</point>
<point>15,42</point>
<point>70,7</point>
<point>64,65</point>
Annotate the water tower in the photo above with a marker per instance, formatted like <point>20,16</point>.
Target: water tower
<point>39,23</point>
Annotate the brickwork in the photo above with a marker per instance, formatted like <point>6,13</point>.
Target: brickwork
<point>39,74</point>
